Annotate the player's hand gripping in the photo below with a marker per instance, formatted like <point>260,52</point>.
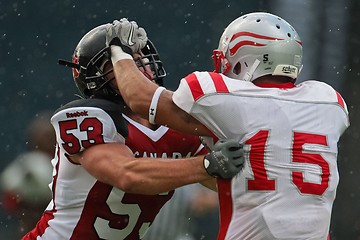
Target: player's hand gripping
<point>225,160</point>
<point>128,35</point>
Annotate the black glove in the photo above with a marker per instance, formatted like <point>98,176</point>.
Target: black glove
<point>128,35</point>
<point>225,160</point>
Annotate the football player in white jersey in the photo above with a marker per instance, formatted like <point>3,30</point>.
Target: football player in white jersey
<point>290,132</point>
<point>113,171</point>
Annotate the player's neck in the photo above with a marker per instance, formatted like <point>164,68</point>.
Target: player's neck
<point>274,81</point>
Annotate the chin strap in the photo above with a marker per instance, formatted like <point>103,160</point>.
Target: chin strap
<point>248,75</point>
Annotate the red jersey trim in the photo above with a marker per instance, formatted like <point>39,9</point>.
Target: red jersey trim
<point>340,100</point>
<point>194,86</point>
<point>40,226</point>
<point>219,83</point>
<point>43,223</point>
<point>226,206</point>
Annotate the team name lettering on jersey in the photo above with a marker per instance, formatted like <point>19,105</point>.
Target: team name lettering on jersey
<point>162,155</point>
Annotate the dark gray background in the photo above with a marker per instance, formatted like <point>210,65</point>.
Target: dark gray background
<point>34,34</point>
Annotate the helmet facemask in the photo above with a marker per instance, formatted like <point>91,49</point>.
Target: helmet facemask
<point>91,71</point>
<point>97,78</point>
<point>150,57</point>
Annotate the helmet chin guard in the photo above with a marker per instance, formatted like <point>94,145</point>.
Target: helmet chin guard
<point>259,44</point>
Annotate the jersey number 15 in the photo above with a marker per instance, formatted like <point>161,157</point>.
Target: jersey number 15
<point>261,180</point>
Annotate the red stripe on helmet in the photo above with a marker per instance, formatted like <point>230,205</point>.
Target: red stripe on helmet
<point>248,42</point>
<point>250,34</point>
<point>234,49</point>
<point>194,86</point>
<point>219,83</point>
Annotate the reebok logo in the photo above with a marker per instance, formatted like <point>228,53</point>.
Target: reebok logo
<point>288,69</point>
<point>77,114</point>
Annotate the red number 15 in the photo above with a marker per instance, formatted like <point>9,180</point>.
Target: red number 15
<point>261,180</point>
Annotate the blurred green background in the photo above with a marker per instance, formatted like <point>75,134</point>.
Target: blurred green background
<point>34,34</point>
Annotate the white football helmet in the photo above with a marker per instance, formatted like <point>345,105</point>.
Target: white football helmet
<point>259,44</point>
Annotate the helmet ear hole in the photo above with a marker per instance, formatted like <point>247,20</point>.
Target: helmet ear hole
<point>237,68</point>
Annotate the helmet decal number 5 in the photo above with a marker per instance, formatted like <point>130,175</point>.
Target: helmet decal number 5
<point>257,157</point>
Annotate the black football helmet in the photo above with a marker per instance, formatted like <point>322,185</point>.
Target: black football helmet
<point>90,57</point>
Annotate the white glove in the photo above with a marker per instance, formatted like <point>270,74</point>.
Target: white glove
<point>127,35</point>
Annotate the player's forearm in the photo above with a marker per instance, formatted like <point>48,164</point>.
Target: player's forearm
<point>138,92</point>
<point>210,184</point>
<point>114,164</point>
<point>135,88</point>
<point>150,176</point>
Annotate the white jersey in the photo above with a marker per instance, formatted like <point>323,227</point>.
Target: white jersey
<point>290,134</point>
<point>84,208</point>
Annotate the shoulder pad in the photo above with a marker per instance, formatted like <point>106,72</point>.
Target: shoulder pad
<point>113,109</point>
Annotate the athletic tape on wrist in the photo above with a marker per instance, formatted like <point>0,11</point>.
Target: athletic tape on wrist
<point>153,105</point>
<point>118,54</point>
